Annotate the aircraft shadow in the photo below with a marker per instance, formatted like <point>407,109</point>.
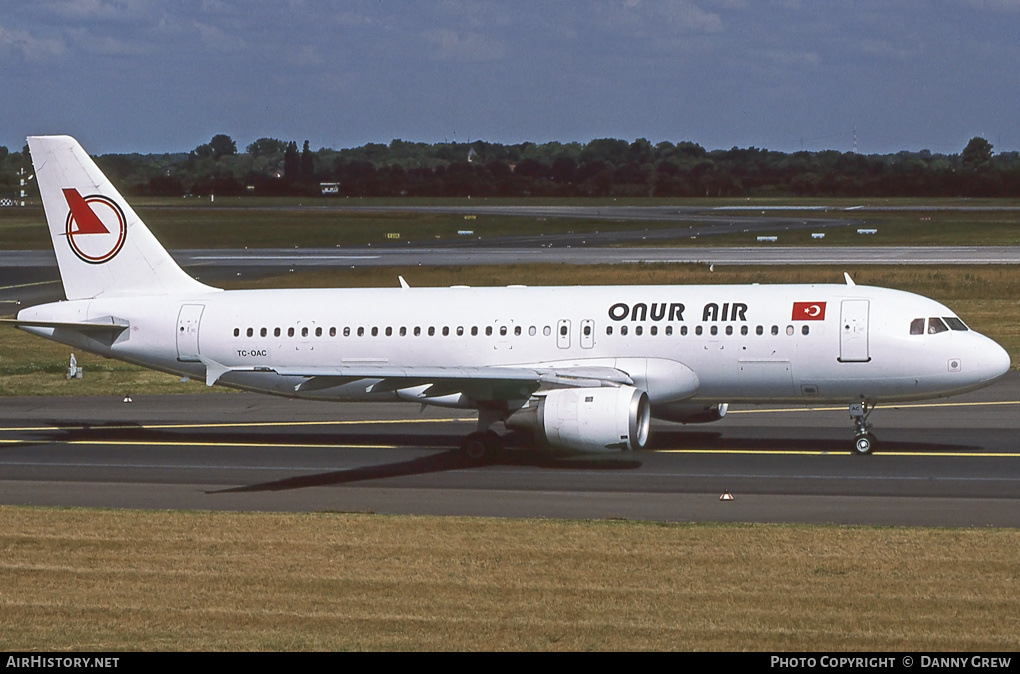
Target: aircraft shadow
<point>664,440</point>
<point>436,463</point>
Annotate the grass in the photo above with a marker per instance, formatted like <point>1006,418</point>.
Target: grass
<point>122,580</point>
<point>237,222</point>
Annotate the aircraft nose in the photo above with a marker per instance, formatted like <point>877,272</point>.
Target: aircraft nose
<point>993,360</point>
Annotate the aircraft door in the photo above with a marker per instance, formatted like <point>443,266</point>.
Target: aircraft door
<point>187,332</point>
<point>587,333</point>
<point>563,333</point>
<point>853,332</point>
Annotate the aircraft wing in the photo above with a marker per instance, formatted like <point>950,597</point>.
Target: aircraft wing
<point>476,383</point>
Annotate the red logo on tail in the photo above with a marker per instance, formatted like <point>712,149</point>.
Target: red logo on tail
<point>96,227</point>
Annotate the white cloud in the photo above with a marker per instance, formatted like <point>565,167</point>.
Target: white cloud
<point>451,45</point>
<point>31,47</point>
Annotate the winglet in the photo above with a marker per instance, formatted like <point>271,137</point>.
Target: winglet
<point>849,281</point>
<point>403,283</point>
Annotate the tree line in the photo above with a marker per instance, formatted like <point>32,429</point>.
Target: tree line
<point>602,168</point>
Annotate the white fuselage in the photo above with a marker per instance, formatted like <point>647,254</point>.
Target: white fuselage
<point>744,343</point>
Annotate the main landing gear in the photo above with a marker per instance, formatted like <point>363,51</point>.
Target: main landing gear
<point>864,442</point>
<point>484,445</point>
<point>481,447</point>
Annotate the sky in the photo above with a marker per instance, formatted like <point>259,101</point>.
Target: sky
<point>152,76</point>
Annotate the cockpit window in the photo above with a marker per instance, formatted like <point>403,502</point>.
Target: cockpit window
<point>935,325</point>
<point>917,326</point>
<point>955,323</point>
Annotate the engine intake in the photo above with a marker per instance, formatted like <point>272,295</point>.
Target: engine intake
<point>587,419</point>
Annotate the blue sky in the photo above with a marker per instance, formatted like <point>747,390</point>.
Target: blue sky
<point>151,76</point>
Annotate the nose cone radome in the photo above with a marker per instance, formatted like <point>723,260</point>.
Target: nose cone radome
<point>992,361</point>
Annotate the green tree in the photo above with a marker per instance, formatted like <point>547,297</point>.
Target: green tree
<point>221,144</point>
<point>977,156</point>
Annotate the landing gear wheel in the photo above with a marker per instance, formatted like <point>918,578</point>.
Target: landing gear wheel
<point>481,447</point>
<point>864,444</point>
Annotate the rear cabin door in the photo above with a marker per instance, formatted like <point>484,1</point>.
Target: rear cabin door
<point>187,332</point>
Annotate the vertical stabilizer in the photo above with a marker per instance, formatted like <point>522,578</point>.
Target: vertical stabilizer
<point>103,248</point>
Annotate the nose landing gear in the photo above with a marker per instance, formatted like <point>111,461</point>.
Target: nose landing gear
<point>864,442</point>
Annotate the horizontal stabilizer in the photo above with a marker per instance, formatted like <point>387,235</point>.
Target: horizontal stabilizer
<point>99,325</point>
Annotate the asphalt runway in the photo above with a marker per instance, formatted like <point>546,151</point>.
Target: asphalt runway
<point>953,462</point>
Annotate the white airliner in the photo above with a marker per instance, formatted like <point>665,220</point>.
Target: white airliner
<point>581,368</point>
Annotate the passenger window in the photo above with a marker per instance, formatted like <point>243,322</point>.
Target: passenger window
<point>729,329</point>
<point>775,330</point>
<point>669,330</point>
<point>654,330</point>
<point>759,330</point>
<point>743,329</point>
<point>460,331</point>
<point>917,326</point>
<point>375,332</point>
<point>789,330</point>
<point>698,330</point>
<point>237,332</point>
<point>276,332</point>
<point>446,331</point>
<point>318,332</point>
<point>347,332</point>
<point>417,331</point>
<point>389,332</point>
<point>250,332</point>
<point>502,331</point>
<point>714,330</point>
<point>432,331</point>
<point>609,329</point>
<point>332,332</point>
<point>290,332</point>
<point>638,330</point>
<point>304,332</point>
<point>935,325</point>
<point>361,332</point>
<point>488,331</point>
<point>683,330</point>
<point>623,329</point>
<point>805,330</point>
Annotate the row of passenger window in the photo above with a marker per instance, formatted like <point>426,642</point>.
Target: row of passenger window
<point>712,330</point>
<point>504,331</point>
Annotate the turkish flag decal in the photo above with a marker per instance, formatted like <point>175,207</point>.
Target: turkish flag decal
<point>808,311</point>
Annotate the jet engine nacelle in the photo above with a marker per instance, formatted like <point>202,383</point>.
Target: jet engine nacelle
<point>587,419</point>
<point>690,413</point>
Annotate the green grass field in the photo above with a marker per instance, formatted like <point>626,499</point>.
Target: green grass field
<point>237,222</point>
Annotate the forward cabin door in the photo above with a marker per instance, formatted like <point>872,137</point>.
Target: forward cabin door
<point>187,332</point>
<point>853,332</point>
